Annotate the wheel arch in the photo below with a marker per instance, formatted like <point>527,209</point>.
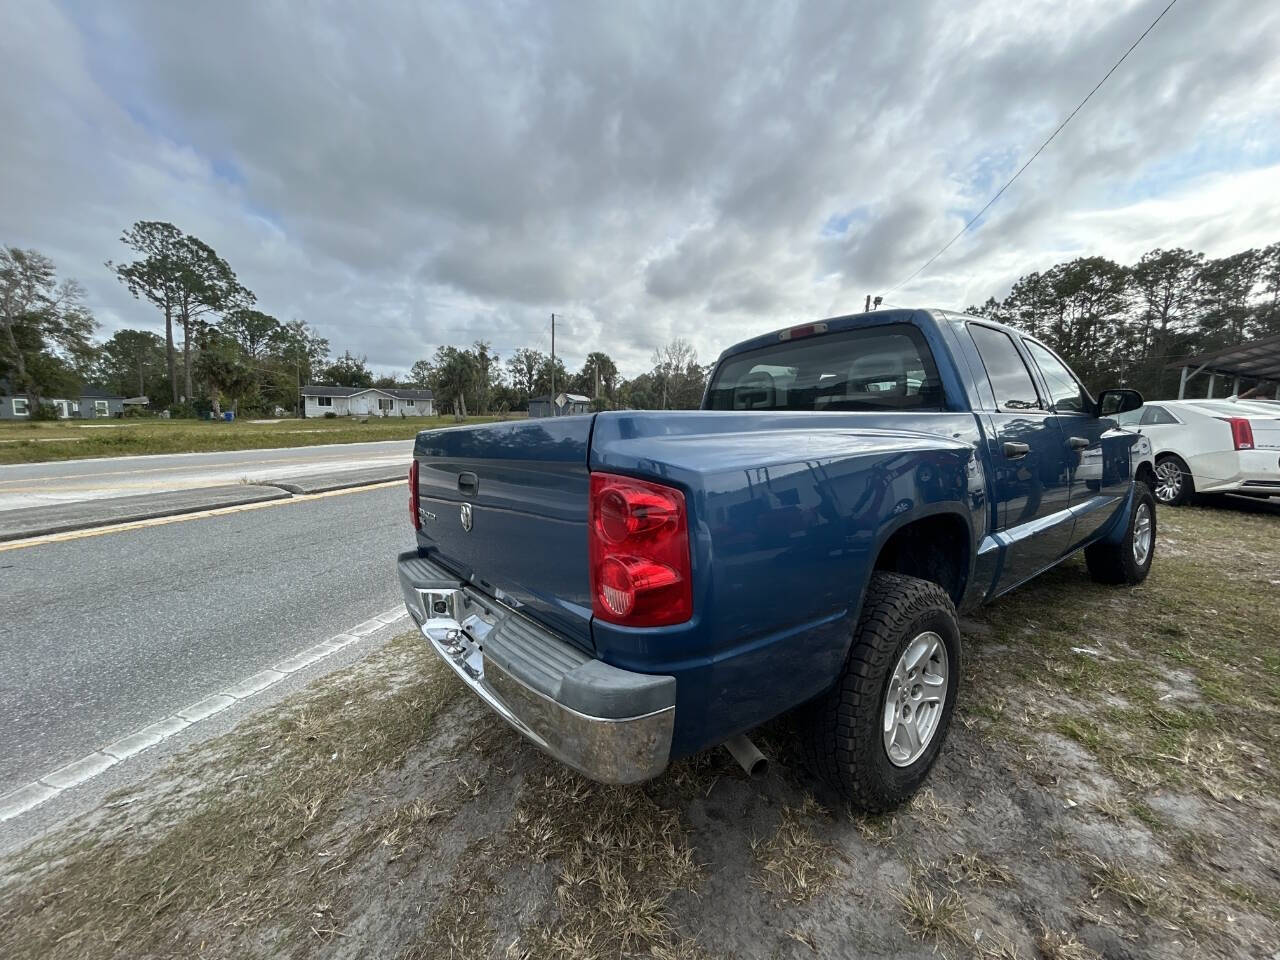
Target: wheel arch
<point>936,546</point>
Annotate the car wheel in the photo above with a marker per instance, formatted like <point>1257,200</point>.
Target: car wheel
<point>874,736</point>
<point>1128,561</point>
<point>1174,485</point>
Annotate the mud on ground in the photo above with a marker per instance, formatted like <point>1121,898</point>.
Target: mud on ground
<point>1108,789</point>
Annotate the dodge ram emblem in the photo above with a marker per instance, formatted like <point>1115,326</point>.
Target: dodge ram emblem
<point>466,517</point>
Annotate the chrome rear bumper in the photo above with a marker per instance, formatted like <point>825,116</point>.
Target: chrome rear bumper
<point>609,724</point>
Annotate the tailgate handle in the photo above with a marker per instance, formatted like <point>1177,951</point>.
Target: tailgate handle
<point>468,483</point>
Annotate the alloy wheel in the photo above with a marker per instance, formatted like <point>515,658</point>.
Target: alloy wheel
<point>914,701</point>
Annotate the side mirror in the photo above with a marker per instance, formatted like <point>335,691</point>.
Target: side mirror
<point>1112,402</point>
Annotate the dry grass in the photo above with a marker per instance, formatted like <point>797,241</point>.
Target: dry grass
<point>794,865</point>
<point>238,841</point>
<point>1061,945</point>
<point>937,918</point>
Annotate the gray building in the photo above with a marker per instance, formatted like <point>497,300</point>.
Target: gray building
<point>90,404</point>
<point>545,406</point>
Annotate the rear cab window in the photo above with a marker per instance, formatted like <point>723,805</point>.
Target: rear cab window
<point>874,368</point>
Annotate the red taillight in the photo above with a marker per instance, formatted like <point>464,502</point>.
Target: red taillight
<point>413,495</point>
<point>639,552</point>
<point>1241,432</point>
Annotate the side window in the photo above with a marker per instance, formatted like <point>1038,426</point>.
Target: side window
<point>1156,416</point>
<point>1010,379</point>
<point>1131,418</point>
<point>1066,395</point>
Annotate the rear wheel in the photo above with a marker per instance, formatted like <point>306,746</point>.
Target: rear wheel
<point>1128,561</point>
<point>1174,485</point>
<point>875,735</point>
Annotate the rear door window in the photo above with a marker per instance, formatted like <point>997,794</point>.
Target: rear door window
<point>1010,379</point>
<point>1066,394</point>
<point>875,368</point>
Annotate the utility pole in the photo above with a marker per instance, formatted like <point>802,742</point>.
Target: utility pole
<point>553,364</point>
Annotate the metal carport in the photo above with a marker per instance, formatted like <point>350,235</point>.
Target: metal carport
<point>1257,360</point>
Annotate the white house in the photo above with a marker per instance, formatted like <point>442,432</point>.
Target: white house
<point>366,402</point>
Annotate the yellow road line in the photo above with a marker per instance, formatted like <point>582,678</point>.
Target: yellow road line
<point>179,518</point>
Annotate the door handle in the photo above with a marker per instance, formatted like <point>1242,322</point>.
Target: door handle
<point>1077,443</point>
<point>1015,451</point>
<point>468,483</point>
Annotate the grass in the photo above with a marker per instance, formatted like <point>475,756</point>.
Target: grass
<point>28,442</point>
<point>1108,789</point>
<point>239,840</point>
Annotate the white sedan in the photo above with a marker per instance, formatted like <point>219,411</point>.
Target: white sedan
<point>1210,446</point>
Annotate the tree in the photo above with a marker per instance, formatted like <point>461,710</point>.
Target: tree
<point>131,362</point>
<point>300,351</point>
<point>543,380</point>
<point>221,366</point>
<point>205,284</point>
<point>682,381</point>
<point>488,374</point>
<point>44,324</point>
<point>420,374</point>
<point>1226,293</point>
<point>348,371</point>
<point>155,276</point>
<point>599,375</point>
<point>454,374</point>
<point>523,366</point>
<point>256,332</point>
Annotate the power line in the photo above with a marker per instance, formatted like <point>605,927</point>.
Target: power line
<point>1057,130</point>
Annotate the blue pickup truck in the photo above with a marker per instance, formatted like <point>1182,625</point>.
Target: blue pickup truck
<point>631,587</point>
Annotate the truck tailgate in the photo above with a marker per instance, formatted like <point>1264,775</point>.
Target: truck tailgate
<point>504,506</point>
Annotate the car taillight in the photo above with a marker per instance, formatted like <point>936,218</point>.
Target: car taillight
<point>413,495</point>
<point>638,542</point>
<point>1241,432</point>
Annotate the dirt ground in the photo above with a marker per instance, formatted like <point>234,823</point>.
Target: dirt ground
<point>1109,788</point>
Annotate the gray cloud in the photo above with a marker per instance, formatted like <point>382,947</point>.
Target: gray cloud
<point>402,175</point>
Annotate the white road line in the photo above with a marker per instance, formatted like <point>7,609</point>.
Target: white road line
<point>31,795</point>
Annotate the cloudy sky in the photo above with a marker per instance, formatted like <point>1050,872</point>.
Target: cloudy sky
<point>405,175</point>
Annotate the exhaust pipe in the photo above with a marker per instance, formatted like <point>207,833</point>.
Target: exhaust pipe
<point>749,758</point>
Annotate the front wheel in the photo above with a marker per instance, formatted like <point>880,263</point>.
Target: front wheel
<point>1128,561</point>
<point>875,735</point>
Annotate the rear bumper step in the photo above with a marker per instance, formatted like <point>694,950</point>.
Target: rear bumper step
<point>609,724</point>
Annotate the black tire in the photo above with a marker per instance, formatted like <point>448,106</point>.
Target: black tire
<point>842,729</point>
<point>1185,489</point>
<point>1118,562</point>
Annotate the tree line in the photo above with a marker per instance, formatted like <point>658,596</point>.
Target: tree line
<point>1122,325</point>
<point>219,348</point>
<point>1114,324</point>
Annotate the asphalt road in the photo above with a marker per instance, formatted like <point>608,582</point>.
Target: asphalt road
<point>102,635</point>
<point>36,484</point>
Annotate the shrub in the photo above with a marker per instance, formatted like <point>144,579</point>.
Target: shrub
<point>330,415</point>
<point>43,411</point>
<point>182,411</point>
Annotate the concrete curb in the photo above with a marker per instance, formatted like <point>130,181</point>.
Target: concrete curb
<point>82,514</point>
<point>344,480</point>
<point>44,521</point>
